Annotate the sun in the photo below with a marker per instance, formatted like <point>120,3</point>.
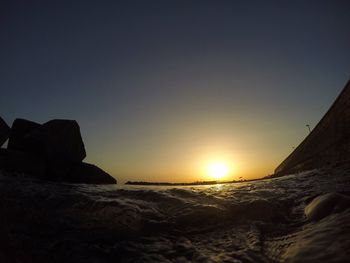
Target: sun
<point>217,170</point>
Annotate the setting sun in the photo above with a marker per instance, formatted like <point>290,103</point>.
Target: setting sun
<point>217,170</point>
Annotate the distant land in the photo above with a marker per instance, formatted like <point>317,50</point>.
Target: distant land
<point>189,184</point>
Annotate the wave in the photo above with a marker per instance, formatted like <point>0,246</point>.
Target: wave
<point>296,218</point>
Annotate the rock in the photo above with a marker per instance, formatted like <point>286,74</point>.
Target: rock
<point>90,174</point>
<point>54,148</point>
<point>78,173</point>
<point>4,131</point>
<point>19,162</point>
<point>24,137</point>
<point>63,141</point>
<point>59,170</point>
<point>56,139</point>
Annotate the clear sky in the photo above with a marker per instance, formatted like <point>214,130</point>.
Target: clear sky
<point>163,88</point>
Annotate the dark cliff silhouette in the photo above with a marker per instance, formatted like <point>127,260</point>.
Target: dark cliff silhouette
<point>328,144</point>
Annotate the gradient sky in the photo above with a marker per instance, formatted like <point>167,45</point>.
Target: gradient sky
<point>162,88</point>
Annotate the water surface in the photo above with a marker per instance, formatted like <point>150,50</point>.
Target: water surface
<point>258,221</point>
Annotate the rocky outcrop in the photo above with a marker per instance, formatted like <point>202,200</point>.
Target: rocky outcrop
<point>21,163</point>
<point>328,144</point>
<point>91,174</point>
<point>62,141</point>
<point>22,137</point>
<point>4,132</point>
<point>56,139</point>
<point>53,150</point>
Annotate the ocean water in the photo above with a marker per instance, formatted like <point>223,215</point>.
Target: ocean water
<point>296,218</point>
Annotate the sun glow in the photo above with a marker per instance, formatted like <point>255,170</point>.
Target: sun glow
<point>217,170</point>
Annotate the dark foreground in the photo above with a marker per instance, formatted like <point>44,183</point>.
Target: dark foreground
<point>259,221</point>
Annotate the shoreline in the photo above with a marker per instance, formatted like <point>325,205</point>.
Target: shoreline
<point>192,183</point>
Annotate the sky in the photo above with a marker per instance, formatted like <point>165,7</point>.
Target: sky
<point>161,89</point>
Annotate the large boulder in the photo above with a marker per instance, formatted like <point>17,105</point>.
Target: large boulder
<point>16,162</point>
<point>90,174</point>
<point>53,150</point>
<point>4,132</point>
<point>84,173</point>
<point>63,141</point>
<point>23,137</point>
<point>57,140</point>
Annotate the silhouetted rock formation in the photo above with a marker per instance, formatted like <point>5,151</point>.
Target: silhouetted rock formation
<point>56,139</point>
<point>22,163</point>
<point>54,151</point>
<point>91,174</point>
<point>63,141</point>
<point>4,131</point>
<point>21,137</point>
<point>328,144</point>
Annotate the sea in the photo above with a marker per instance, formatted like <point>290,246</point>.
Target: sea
<point>302,217</point>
